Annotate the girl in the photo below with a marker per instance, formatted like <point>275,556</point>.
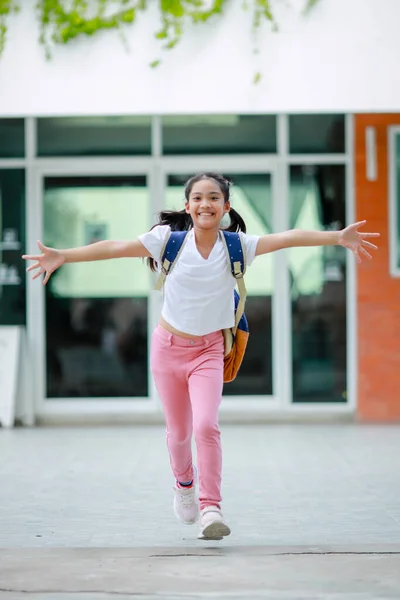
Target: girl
<point>187,346</point>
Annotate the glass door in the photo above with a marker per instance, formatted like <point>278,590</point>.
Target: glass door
<point>95,319</point>
<point>318,287</point>
<point>252,197</point>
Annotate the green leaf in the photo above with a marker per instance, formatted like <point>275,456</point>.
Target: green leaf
<point>161,35</point>
<point>171,44</point>
<point>128,16</point>
<point>257,78</point>
<point>61,21</point>
<point>310,4</point>
<point>173,7</point>
<point>155,63</point>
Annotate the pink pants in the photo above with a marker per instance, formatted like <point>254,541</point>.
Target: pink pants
<point>189,379</point>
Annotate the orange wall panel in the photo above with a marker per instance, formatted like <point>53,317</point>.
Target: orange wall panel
<point>378,294</point>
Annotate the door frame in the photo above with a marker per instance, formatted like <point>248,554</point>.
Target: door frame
<point>281,351</point>
<point>156,168</point>
<point>70,407</point>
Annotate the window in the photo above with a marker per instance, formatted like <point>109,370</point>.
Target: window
<point>219,134</point>
<point>12,138</point>
<point>96,313</point>
<point>316,134</point>
<point>394,200</point>
<point>12,245</point>
<point>94,136</point>
<point>318,286</point>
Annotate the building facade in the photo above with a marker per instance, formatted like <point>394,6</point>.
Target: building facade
<point>86,156</point>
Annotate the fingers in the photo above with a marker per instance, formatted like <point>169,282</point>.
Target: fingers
<point>367,254</point>
<point>39,273</point>
<point>42,247</point>
<point>33,267</point>
<point>358,224</point>
<point>355,252</point>
<point>365,243</point>
<point>30,256</point>
<point>47,277</point>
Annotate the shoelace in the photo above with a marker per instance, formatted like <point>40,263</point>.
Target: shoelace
<point>186,497</point>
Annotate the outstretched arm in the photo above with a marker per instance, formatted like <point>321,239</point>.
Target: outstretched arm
<point>349,237</point>
<point>51,259</point>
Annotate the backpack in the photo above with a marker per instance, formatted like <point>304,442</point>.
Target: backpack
<point>235,338</point>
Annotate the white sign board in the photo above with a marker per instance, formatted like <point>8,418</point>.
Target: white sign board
<point>15,399</point>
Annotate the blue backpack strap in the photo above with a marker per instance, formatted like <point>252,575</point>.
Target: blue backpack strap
<point>235,253</point>
<point>172,248</point>
<point>237,263</point>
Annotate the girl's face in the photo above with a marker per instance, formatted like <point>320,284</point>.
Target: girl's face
<point>206,204</point>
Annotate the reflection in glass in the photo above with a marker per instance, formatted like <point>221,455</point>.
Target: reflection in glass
<point>252,198</point>
<point>12,138</point>
<point>219,134</point>
<point>318,286</point>
<point>94,136</point>
<point>96,313</point>
<point>12,245</point>
<point>315,134</point>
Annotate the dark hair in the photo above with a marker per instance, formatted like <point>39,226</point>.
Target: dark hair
<point>181,221</point>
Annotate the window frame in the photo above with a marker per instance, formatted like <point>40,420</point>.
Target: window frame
<point>393,208</point>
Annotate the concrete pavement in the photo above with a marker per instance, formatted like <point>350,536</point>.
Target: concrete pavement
<point>315,513</point>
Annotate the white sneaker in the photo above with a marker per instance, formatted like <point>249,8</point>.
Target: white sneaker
<point>186,504</point>
<point>212,524</point>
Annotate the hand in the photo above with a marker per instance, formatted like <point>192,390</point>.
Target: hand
<point>47,262</point>
<point>351,238</point>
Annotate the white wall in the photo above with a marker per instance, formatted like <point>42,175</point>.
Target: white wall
<point>342,57</point>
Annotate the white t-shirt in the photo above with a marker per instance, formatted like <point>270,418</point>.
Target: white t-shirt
<point>198,293</point>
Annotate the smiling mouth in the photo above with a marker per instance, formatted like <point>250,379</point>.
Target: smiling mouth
<point>204,214</point>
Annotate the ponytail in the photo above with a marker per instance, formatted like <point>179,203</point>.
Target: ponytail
<point>178,220</point>
<point>237,223</point>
